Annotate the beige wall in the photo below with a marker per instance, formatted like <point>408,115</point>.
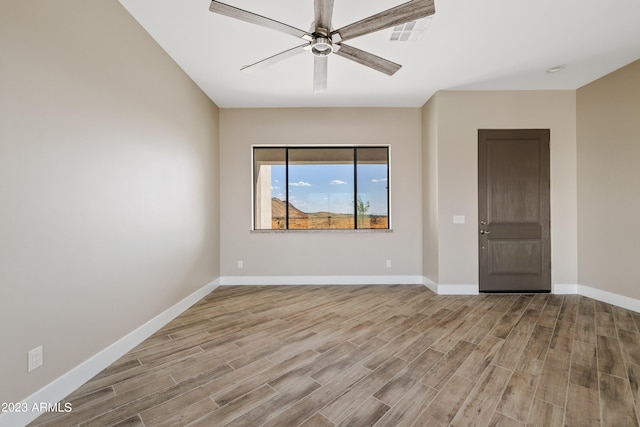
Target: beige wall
<point>108,184</point>
<point>608,128</point>
<point>430,190</point>
<point>459,116</point>
<point>321,253</point>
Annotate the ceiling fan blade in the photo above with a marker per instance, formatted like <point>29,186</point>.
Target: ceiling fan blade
<point>368,59</point>
<point>320,73</point>
<point>323,12</point>
<point>243,15</point>
<point>275,58</point>
<point>410,11</point>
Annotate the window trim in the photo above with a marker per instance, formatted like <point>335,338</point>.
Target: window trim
<point>321,230</point>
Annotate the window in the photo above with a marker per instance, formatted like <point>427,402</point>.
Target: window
<point>320,188</point>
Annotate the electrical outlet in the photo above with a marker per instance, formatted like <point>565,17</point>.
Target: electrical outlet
<point>388,263</point>
<point>240,263</point>
<point>35,358</point>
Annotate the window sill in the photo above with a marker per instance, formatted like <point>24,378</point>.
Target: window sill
<point>337,230</point>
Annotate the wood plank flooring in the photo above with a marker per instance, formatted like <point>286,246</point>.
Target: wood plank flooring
<point>373,355</point>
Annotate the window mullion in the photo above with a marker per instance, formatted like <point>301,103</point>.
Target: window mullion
<point>286,174</point>
<point>355,188</point>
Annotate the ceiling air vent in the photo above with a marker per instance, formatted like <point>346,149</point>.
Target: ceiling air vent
<point>409,32</point>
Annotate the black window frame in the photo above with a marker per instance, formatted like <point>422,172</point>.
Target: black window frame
<point>355,149</point>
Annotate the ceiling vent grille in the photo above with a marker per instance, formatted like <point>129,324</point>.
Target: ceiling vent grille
<point>409,32</point>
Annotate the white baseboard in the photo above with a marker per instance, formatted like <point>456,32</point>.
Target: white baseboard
<point>450,289</point>
<point>558,288</point>
<point>65,384</point>
<point>564,288</point>
<point>458,290</point>
<point>321,280</point>
<point>610,298</point>
<point>440,289</point>
<point>433,286</point>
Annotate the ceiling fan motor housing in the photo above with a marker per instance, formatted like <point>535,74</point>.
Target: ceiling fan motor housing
<point>321,46</point>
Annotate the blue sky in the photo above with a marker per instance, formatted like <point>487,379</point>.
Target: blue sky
<point>314,188</point>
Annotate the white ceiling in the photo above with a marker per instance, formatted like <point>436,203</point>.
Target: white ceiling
<point>469,44</point>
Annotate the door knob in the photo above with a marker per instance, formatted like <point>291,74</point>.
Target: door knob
<point>485,232</point>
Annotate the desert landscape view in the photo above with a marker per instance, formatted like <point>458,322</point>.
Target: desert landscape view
<point>321,220</point>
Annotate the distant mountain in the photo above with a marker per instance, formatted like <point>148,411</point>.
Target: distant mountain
<point>278,210</point>
<point>320,220</point>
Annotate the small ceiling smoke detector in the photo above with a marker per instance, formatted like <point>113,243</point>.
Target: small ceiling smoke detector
<point>409,32</point>
<point>556,69</point>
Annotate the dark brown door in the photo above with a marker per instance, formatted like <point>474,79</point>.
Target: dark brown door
<point>513,210</point>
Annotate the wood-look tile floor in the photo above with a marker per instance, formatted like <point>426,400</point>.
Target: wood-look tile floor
<point>373,355</point>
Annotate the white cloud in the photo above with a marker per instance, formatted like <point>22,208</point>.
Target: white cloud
<point>276,181</point>
<point>379,180</point>
<point>338,182</point>
<point>300,184</point>
<point>275,188</point>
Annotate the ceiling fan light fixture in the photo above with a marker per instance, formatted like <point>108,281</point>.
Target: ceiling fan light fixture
<point>322,46</point>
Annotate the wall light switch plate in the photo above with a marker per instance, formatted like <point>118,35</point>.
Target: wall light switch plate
<point>459,219</point>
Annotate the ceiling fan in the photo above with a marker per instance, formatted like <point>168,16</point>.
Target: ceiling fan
<point>323,41</point>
